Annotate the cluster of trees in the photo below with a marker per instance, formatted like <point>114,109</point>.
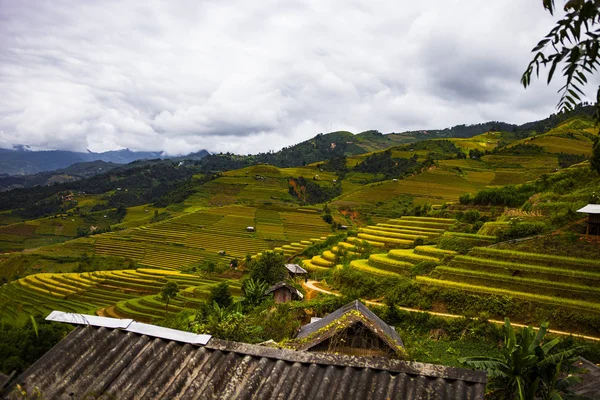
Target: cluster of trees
<point>384,163</point>
<point>510,196</point>
<point>161,183</point>
<point>311,192</point>
<point>22,345</point>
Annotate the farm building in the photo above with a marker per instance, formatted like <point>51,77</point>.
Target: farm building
<point>284,292</point>
<point>593,223</point>
<point>123,359</point>
<point>352,330</point>
<point>295,270</point>
<point>250,229</point>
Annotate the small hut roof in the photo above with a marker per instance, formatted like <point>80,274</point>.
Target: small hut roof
<point>284,285</point>
<point>296,269</point>
<point>590,209</point>
<point>344,317</point>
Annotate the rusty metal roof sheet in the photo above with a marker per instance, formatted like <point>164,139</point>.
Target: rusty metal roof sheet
<point>112,363</point>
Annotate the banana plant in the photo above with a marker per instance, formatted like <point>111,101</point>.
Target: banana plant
<point>528,368</point>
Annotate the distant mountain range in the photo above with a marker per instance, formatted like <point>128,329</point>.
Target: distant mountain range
<point>20,161</point>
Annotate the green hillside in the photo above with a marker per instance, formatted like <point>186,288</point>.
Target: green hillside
<point>438,225</point>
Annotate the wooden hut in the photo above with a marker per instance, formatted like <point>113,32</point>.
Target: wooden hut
<point>351,330</point>
<point>284,292</point>
<point>593,223</point>
<point>295,270</point>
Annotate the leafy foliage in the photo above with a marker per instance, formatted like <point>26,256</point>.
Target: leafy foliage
<point>511,196</point>
<point>575,44</point>
<point>269,267</point>
<point>254,292</point>
<point>221,295</point>
<point>23,345</point>
<point>529,366</point>
<point>168,292</point>
<point>310,192</point>
<point>384,163</point>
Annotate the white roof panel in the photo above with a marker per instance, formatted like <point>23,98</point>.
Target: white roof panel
<point>93,320</point>
<point>129,325</point>
<point>590,209</point>
<point>167,333</point>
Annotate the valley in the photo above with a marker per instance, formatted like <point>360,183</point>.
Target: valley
<point>483,226</point>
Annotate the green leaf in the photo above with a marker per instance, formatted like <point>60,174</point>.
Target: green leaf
<point>35,326</point>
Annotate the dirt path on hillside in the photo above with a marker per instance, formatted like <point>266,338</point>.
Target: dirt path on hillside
<point>312,286</point>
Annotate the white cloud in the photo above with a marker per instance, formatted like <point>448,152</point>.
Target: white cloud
<point>258,75</point>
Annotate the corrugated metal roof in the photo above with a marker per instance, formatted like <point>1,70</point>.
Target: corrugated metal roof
<point>111,363</point>
<point>128,325</point>
<point>296,269</point>
<point>308,330</point>
<point>590,209</point>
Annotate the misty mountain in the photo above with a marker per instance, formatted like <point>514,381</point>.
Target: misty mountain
<point>21,161</point>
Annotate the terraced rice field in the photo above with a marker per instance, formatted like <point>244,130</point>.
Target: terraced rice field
<point>200,236</point>
<point>400,262</point>
<point>435,186</point>
<point>39,294</point>
<point>398,234</point>
<point>560,281</point>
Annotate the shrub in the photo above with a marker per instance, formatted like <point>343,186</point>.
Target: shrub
<point>220,294</point>
<point>521,230</point>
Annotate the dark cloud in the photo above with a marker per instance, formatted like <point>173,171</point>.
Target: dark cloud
<point>252,76</point>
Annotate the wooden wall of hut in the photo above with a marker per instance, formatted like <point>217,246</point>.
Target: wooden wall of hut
<point>357,340</point>
<point>282,295</point>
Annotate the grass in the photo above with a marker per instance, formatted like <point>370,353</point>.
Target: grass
<point>363,265</point>
<point>549,300</point>
<point>511,267</point>
<point>382,261</point>
<point>410,256</point>
<point>541,286</point>
<point>538,258</point>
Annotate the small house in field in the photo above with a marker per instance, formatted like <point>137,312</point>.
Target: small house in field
<point>351,330</point>
<point>284,292</point>
<point>295,270</point>
<point>250,229</point>
<point>593,222</point>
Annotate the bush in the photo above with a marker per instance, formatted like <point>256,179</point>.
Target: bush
<point>423,268</point>
<point>510,196</point>
<point>521,230</point>
<point>461,244</point>
<point>220,294</point>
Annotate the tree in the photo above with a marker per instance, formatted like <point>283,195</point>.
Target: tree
<point>269,267</point>
<point>529,367</point>
<point>168,292</point>
<point>220,294</point>
<point>574,44</point>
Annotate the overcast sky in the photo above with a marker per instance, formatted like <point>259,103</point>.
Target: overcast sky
<point>249,76</point>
